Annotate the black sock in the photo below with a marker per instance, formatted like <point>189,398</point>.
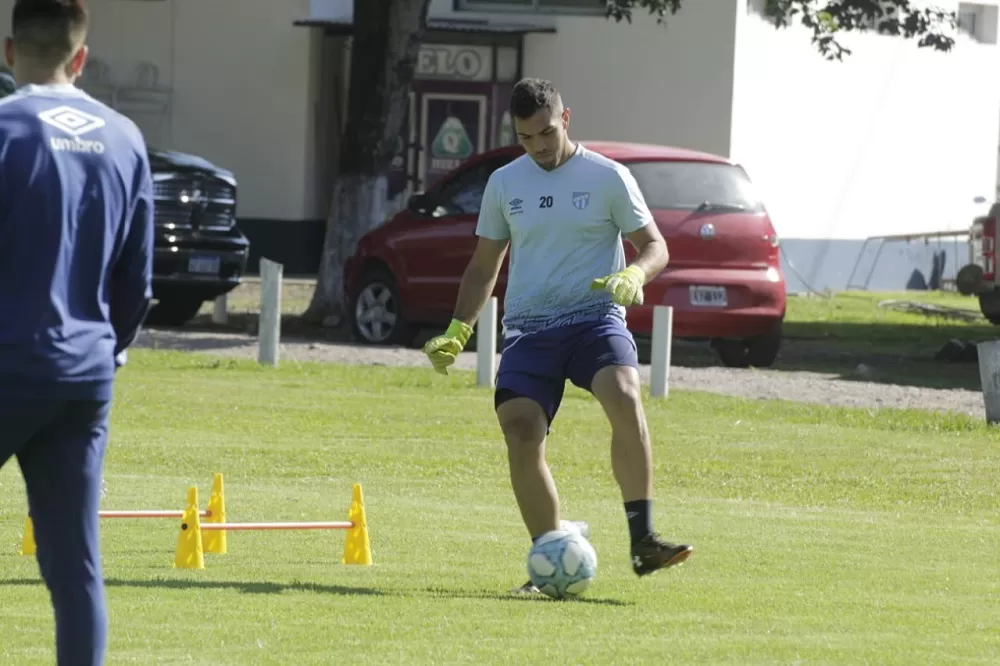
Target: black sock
<point>640,519</point>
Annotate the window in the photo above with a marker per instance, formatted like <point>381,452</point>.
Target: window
<point>537,6</point>
<point>463,195</point>
<point>688,185</point>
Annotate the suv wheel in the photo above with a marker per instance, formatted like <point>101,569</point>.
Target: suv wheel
<point>376,312</point>
<point>173,311</point>
<point>989,305</point>
<point>758,352</point>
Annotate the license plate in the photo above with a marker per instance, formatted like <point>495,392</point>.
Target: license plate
<point>204,265</point>
<point>708,297</point>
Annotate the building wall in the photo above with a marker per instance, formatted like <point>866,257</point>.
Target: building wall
<point>241,94</point>
<point>893,140</point>
<point>648,83</point>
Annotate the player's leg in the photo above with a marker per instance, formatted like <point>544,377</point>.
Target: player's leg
<point>20,422</point>
<point>524,421</point>
<point>606,363</point>
<point>62,471</point>
<point>529,389</point>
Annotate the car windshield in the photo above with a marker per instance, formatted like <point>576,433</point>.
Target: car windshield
<point>692,186</point>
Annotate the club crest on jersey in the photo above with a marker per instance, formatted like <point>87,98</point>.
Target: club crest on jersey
<point>515,206</point>
<point>581,200</point>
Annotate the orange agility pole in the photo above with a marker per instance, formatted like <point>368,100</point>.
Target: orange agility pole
<point>216,513</point>
<point>151,513</point>
<point>190,552</point>
<point>334,525</point>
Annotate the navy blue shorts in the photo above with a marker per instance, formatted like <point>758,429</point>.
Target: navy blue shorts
<point>537,365</point>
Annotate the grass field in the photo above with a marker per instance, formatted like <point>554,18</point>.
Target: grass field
<point>822,535</point>
<point>854,320</point>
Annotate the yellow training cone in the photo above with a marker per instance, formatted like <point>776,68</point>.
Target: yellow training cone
<point>357,547</point>
<point>215,540</point>
<point>190,554</point>
<point>28,540</point>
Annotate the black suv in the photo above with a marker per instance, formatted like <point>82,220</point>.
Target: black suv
<point>200,252</point>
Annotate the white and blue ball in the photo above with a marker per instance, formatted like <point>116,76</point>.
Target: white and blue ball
<point>562,564</point>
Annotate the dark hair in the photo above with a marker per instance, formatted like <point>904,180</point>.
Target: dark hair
<point>48,31</point>
<point>531,96</point>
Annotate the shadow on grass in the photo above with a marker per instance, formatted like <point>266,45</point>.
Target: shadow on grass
<point>490,595</point>
<point>245,587</point>
<point>848,357</point>
<point>249,587</point>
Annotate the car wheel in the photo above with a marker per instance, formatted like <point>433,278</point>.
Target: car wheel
<point>758,352</point>
<point>989,305</point>
<point>173,312</point>
<point>376,311</point>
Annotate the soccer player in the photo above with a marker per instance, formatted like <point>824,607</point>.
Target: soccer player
<point>562,210</point>
<point>76,241</point>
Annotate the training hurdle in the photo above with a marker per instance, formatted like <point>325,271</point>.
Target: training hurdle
<point>191,540</point>
<point>197,538</point>
<point>215,513</point>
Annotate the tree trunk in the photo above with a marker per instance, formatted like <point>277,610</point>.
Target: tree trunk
<point>384,48</point>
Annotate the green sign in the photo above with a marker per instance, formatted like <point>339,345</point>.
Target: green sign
<point>452,140</point>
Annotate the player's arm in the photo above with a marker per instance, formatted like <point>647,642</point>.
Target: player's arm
<point>652,255</point>
<point>478,280</point>
<point>132,273</point>
<point>480,275</point>
<point>631,214</point>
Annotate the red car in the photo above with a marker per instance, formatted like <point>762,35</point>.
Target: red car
<point>724,278</point>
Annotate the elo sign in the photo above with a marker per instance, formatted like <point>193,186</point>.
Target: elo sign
<point>455,62</point>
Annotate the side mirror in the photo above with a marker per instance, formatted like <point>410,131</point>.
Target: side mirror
<point>422,204</point>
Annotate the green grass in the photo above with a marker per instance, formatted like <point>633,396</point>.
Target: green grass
<point>854,321</point>
<point>822,535</point>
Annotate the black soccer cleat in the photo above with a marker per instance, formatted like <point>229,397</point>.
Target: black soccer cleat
<point>653,553</point>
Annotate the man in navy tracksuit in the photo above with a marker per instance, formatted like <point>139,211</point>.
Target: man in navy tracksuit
<point>76,235</point>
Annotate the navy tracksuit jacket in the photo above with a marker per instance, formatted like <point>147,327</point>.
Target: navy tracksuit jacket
<point>76,242</point>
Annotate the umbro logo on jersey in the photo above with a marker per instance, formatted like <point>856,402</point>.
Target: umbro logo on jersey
<point>75,123</point>
<point>515,206</point>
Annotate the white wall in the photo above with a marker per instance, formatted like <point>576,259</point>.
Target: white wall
<point>894,139</point>
<point>240,73</point>
<point>243,98</point>
<point>640,82</point>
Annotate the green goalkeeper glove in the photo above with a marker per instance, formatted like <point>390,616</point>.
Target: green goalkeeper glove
<point>625,286</point>
<point>443,349</point>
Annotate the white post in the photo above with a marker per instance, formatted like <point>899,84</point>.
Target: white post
<point>663,341</point>
<point>989,378</point>
<point>220,315</point>
<point>486,344</point>
<point>269,324</point>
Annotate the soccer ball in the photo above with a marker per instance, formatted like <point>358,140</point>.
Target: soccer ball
<point>562,564</point>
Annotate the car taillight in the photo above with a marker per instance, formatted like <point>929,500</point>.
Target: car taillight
<point>775,252</point>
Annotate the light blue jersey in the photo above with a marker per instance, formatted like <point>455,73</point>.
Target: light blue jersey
<point>565,229</point>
